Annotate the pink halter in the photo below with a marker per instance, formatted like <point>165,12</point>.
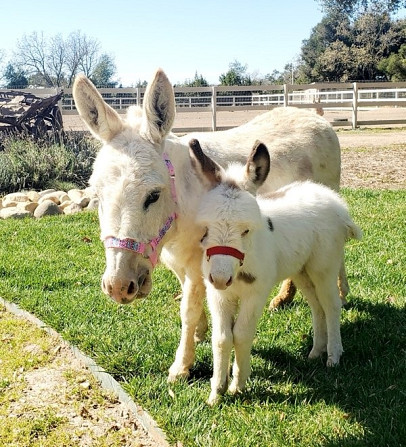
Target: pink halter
<point>141,247</point>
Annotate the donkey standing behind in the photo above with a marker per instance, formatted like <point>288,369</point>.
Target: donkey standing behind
<point>251,243</point>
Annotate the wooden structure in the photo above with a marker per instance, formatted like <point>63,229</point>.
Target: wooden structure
<point>25,112</point>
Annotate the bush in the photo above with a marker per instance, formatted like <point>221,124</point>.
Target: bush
<point>26,163</point>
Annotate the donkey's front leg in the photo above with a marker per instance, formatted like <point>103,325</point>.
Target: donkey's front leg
<point>244,333</point>
<point>191,309</point>
<point>222,314</point>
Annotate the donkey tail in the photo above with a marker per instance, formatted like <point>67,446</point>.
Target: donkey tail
<point>353,231</point>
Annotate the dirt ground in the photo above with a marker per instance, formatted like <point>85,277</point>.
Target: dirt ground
<point>65,387</point>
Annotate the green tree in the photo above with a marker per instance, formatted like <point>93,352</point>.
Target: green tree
<point>236,75</point>
<point>104,71</point>
<point>341,50</point>
<point>394,66</point>
<point>335,27</point>
<point>197,81</point>
<point>355,7</point>
<point>15,78</point>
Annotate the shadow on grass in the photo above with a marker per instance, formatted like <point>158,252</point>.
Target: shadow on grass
<point>369,385</point>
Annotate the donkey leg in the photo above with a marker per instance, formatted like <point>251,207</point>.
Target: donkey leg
<point>222,313</point>
<point>329,298</point>
<point>244,333</point>
<point>201,328</point>
<point>320,339</point>
<point>285,295</point>
<point>343,286</point>
<point>191,308</point>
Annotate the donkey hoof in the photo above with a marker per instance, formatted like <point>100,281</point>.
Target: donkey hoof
<point>316,353</point>
<point>176,374</point>
<point>235,388</point>
<point>331,363</point>
<point>334,359</point>
<point>214,399</point>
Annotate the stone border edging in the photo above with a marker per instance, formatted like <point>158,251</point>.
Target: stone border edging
<point>103,377</point>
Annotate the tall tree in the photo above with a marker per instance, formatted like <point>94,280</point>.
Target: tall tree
<point>341,50</point>
<point>15,78</point>
<point>355,7</point>
<point>236,75</point>
<point>334,27</point>
<point>33,57</point>
<point>197,81</point>
<point>394,66</point>
<point>103,72</point>
<point>55,62</point>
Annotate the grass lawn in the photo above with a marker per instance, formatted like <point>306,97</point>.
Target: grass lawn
<point>52,268</point>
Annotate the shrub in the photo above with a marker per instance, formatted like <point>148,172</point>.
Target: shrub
<point>26,163</point>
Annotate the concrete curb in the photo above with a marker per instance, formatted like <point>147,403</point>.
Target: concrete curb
<point>104,378</point>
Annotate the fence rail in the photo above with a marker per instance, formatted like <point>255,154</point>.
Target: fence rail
<point>344,96</point>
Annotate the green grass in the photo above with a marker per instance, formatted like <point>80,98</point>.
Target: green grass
<point>52,267</point>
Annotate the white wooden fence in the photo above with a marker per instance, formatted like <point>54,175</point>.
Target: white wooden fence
<point>328,96</point>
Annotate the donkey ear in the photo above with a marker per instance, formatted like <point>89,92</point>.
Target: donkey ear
<point>258,165</point>
<point>207,170</point>
<point>158,108</point>
<point>103,121</point>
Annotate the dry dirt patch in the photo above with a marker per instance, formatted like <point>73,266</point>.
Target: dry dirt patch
<point>375,160</point>
<point>52,399</point>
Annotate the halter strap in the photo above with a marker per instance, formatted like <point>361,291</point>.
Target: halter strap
<point>140,247</point>
<point>171,171</point>
<point>223,250</point>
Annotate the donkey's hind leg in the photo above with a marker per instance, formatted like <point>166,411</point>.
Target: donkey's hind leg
<point>308,290</point>
<point>343,286</point>
<point>328,296</point>
<point>285,295</point>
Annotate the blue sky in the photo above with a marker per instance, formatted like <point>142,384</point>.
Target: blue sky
<point>181,37</point>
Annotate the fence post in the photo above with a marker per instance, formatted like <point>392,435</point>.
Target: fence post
<point>285,95</point>
<point>213,108</point>
<point>354,105</point>
<point>138,90</point>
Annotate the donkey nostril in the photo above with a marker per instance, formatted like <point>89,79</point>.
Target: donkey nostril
<point>141,280</point>
<point>229,282</point>
<point>131,288</point>
<point>211,279</point>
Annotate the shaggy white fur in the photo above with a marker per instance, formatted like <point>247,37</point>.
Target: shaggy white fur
<point>299,231</point>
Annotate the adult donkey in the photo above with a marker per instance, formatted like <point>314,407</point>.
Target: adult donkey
<point>149,192</point>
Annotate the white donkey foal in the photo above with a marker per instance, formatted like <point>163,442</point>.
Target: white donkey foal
<point>250,244</point>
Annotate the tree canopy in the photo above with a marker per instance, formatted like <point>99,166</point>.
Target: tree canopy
<point>340,49</point>
<point>353,7</point>
<point>55,61</point>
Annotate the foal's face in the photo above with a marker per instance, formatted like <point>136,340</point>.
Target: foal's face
<point>133,187</point>
<point>229,217</point>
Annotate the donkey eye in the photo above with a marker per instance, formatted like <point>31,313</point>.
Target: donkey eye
<point>204,236</point>
<point>244,233</point>
<point>151,198</point>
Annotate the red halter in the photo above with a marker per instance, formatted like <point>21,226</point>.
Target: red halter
<point>223,250</point>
